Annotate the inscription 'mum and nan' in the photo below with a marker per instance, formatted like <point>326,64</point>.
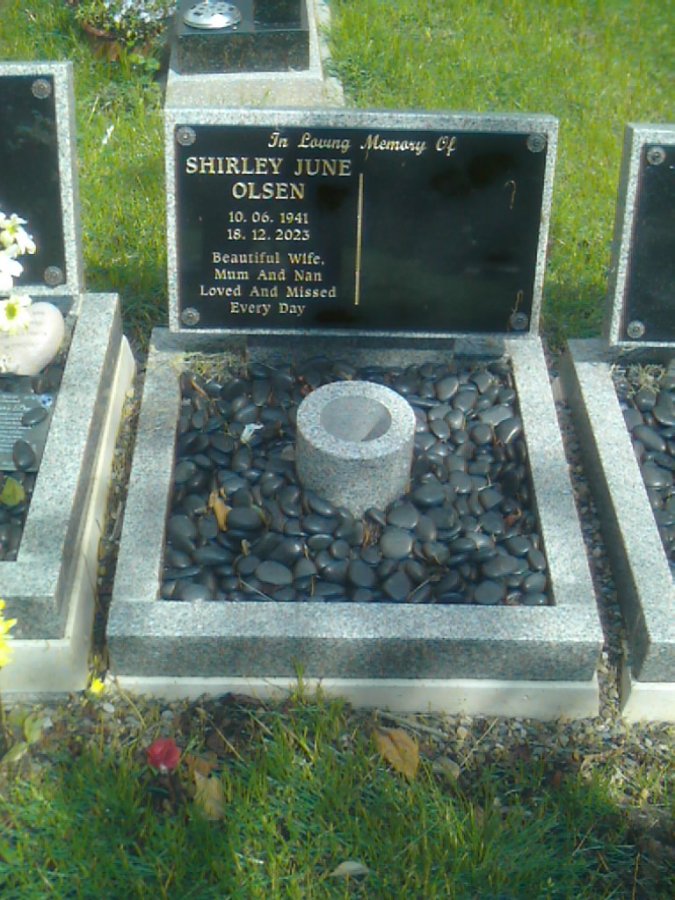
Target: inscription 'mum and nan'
<point>353,228</point>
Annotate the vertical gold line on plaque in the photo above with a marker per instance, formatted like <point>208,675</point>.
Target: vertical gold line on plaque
<point>359,237</point>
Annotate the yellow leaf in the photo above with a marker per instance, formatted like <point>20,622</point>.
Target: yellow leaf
<point>199,764</point>
<point>220,511</point>
<point>210,797</point>
<point>399,749</point>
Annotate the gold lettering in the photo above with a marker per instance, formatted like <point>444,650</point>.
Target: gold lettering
<point>231,274</point>
<point>323,167</point>
<point>309,142</point>
<point>233,165</point>
<point>393,145</point>
<point>268,190</point>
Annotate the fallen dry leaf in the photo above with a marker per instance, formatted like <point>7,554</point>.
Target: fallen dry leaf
<point>349,869</point>
<point>210,797</point>
<point>399,749</point>
<point>220,511</point>
<point>15,753</point>
<point>199,764</point>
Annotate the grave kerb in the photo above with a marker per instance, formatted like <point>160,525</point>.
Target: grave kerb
<point>525,661</point>
<point>50,588</point>
<point>640,566</point>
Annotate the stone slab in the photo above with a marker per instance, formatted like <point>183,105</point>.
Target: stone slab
<point>640,308</point>
<point>489,697</point>
<point>44,665</point>
<point>40,168</point>
<point>310,87</point>
<point>40,584</point>
<point>641,570</point>
<point>372,248</point>
<point>149,638</point>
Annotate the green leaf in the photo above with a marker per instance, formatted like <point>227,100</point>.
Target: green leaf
<point>33,726</point>
<point>14,753</point>
<point>12,492</point>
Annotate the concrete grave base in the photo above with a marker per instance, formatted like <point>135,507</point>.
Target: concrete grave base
<point>437,651</point>
<point>537,700</point>
<point>641,569</point>
<point>50,588</point>
<point>646,701</point>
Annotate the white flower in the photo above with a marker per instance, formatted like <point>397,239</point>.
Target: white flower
<point>249,431</point>
<point>10,269</point>
<point>15,313</point>
<point>12,234</point>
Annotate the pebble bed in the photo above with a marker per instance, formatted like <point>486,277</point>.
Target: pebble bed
<point>45,387</point>
<point>647,396</point>
<point>241,526</point>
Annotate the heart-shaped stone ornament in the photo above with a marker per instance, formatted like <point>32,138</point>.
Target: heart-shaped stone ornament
<point>29,351</point>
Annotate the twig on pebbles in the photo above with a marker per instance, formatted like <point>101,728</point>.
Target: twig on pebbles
<point>414,726</point>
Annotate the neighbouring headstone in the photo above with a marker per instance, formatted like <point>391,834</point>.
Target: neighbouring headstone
<point>212,36</point>
<point>411,247</point>
<point>622,392</point>
<point>64,370</point>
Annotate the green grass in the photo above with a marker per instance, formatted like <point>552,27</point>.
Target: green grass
<point>305,791</point>
<point>594,65</point>
<point>121,171</point>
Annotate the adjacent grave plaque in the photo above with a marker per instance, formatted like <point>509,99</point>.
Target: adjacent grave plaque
<point>627,442</point>
<point>36,183</point>
<point>372,228</point>
<point>258,36</point>
<point>57,419</point>
<point>24,416</point>
<point>643,307</point>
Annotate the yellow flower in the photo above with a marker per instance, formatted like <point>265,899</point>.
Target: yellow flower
<point>97,686</point>
<point>5,625</point>
<point>15,313</point>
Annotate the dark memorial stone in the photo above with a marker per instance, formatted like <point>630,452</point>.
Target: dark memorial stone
<point>271,36</point>
<point>356,228</point>
<point>29,163</point>
<point>649,303</point>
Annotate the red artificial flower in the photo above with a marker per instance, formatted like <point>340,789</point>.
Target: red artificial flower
<point>163,755</point>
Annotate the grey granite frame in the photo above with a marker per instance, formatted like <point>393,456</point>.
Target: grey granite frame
<point>151,637</point>
<point>639,563</point>
<point>62,73</point>
<point>37,585</point>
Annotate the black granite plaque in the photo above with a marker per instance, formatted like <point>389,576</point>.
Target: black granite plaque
<point>25,416</point>
<point>649,295</point>
<point>272,36</point>
<point>29,172</point>
<point>334,228</point>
